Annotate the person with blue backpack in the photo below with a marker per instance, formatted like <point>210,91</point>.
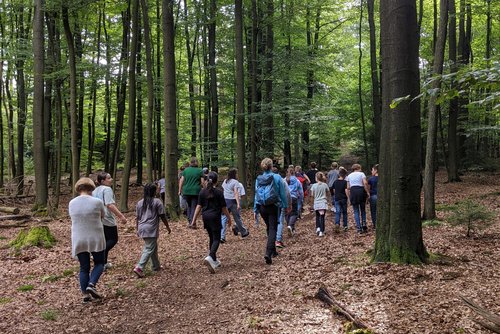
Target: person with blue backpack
<point>270,195</point>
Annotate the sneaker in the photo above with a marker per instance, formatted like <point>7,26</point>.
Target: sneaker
<point>345,228</point>
<point>275,254</point>
<point>138,271</point>
<point>365,228</point>
<point>318,230</point>
<point>268,259</point>
<point>246,235</point>
<point>217,264</point>
<point>210,263</point>
<point>279,244</point>
<point>337,228</point>
<point>93,292</point>
<point>235,230</point>
<point>290,231</point>
<point>86,298</point>
<point>321,234</point>
<point>222,241</point>
<point>108,266</point>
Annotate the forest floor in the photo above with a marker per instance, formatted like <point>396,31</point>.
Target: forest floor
<point>248,296</point>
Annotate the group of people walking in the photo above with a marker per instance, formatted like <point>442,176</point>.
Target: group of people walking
<point>279,201</point>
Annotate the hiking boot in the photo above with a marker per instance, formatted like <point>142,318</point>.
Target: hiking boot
<point>275,254</point>
<point>210,263</point>
<point>337,228</point>
<point>246,235</point>
<point>365,228</point>
<point>279,244</point>
<point>93,292</point>
<point>139,272</point>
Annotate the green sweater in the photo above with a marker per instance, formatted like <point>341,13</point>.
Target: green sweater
<point>192,180</point>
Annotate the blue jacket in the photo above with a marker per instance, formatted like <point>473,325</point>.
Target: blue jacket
<point>295,188</point>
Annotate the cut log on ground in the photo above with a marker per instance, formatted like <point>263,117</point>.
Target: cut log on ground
<point>493,323</point>
<point>8,209</point>
<point>15,217</point>
<point>324,295</point>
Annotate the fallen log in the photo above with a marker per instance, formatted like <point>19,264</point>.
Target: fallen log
<point>489,316</point>
<point>15,217</point>
<point>324,295</point>
<point>8,209</point>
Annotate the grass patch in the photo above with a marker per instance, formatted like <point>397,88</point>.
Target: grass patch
<point>254,322</point>
<point>26,287</point>
<point>431,223</point>
<point>50,278</point>
<point>141,284</point>
<point>41,302</point>
<point>5,300</point>
<point>68,272</point>
<point>121,292</point>
<point>49,315</point>
<point>2,237</point>
<point>446,207</point>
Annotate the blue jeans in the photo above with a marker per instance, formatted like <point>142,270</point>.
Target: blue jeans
<point>192,202</point>
<point>281,219</point>
<point>341,209</point>
<point>86,276</point>
<point>373,209</point>
<point>150,251</point>
<point>232,207</point>
<point>360,224</point>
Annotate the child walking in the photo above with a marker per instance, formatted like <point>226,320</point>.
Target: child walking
<point>319,191</point>
<point>212,204</point>
<point>149,211</point>
<point>358,193</point>
<point>340,199</point>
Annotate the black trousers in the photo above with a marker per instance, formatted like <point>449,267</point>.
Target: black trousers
<point>270,215</point>
<point>111,236</point>
<point>212,224</point>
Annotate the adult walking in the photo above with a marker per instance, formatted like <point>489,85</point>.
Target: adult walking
<point>270,195</point>
<point>111,211</point>
<point>87,236</point>
<point>190,186</point>
<point>358,193</point>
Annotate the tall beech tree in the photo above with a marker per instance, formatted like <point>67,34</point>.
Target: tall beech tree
<point>430,153</point>
<point>240,91</point>
<point>170,109</point>
<point>399,229</point>
<point>41,175</point>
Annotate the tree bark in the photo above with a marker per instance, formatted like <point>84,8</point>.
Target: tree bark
<point>453,109</point>
<point>75,156</point>
<point>214,99</point>
<point>129,149</point>
<point>169,96</point>
<point>268,117</point>
<point>430,154</point>
<point>360,81</point>
<point>41,175</point>
<point>399,230</point>
<point>240,93</point>
<point>376,105</point>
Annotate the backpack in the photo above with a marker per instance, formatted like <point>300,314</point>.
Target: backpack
<point>265,191</point>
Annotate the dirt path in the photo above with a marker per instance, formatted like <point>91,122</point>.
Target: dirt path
<point>247,296</point>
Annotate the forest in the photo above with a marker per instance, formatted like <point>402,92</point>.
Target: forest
<point>138,87</point>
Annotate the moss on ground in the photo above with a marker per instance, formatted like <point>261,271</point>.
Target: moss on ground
<point>38,236</point>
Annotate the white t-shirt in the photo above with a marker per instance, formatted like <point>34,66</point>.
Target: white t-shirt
<point>87,232</point>
<point>228,187</point>
<point>105,194</point>
<point>355,179</point>
<point>241,189</point>
<point>161,182</point>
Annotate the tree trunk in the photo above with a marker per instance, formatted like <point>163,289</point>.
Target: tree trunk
<point>268,117</point>
<point>254,105</point>
<point>453,109</point>
<point>139,145</point>
<point>75,157</point>
<point>41,175</point>
<point>151,96</point>
<point>399,230</point>
<point>9,111</point>
<point>129,149</point>
<point>214,99</point>
<point>360,81</point>
<point>169,90</point>
<point>240,92</point>
<point>121,89</point>
<point>430,154</point>
<point>107,93</point>
<point>376,105</point>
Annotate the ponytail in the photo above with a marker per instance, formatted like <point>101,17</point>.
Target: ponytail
<point>211,182</point>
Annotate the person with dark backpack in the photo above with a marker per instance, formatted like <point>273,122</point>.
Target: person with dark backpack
<point>270,195</point>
